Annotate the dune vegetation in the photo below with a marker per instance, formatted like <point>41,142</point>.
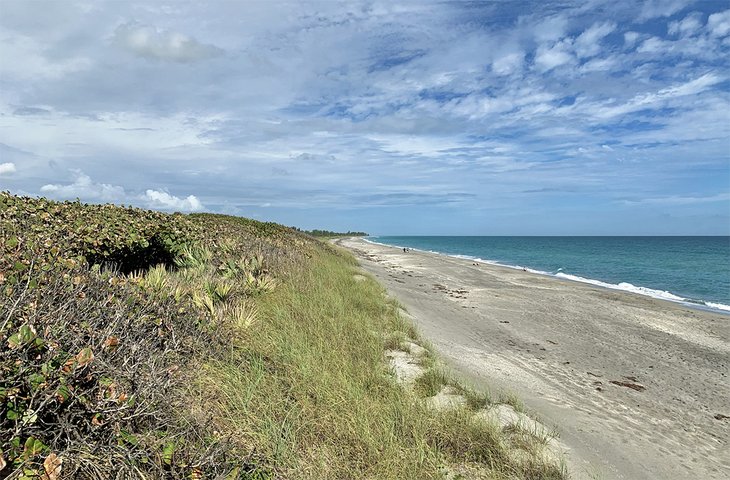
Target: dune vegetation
<point>138,344</point>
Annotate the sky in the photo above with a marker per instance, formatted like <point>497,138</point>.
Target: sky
<point>422,118</point>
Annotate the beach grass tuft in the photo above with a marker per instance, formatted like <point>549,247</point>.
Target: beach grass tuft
<point>431,382</point>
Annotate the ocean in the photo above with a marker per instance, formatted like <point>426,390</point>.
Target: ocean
<point>690,270</point>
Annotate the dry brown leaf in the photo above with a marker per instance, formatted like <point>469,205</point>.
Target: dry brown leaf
<point>52,466</point>
<point>111,390</point>
<point>3,463</point>
<point>68,366</point>
<point>111,342</point>
<point>84,357</point>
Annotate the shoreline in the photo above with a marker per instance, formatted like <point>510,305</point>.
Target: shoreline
<point>634,385</point>
<point>706,305</point>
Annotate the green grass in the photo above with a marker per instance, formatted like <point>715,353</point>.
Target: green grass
<point>477,400</point>
<point>307,389</point>
<point>394,340</point>
<point>431,382</point>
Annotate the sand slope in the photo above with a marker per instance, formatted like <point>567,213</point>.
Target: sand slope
<point>638,388</point>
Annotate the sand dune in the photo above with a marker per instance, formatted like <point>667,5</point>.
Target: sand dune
<point>637,387</point>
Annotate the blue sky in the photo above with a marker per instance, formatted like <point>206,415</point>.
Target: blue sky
<point>470,118</point>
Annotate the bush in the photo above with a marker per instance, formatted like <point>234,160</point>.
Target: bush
<point>35,232</point>
<point>92,364</point>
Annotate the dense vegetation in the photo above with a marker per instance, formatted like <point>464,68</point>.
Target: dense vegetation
<point>136,344</point>
<point>330,234</point>
<point>98,345</point>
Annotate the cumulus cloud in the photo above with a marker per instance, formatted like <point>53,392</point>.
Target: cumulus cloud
<point>8,167</point>
<point>86,189</point>
<point>150,42</point>
<point>165,201</point>
<point>719,23</point>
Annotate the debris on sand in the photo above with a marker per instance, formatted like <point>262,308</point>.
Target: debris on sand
<point>631,385</point>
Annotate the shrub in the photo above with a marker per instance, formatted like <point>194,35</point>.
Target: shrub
<point>93,364</point>
<point>36,232</point>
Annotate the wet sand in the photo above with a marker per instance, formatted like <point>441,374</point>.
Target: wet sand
<point>638,388</point>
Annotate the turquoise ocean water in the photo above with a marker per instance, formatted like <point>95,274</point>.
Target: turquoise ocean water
<point>692,270</point>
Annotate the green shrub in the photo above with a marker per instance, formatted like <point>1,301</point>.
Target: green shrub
<point>36,233</point>
<point>93,364</point>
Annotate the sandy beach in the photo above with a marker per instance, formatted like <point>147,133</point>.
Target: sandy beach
<point>637,388</point>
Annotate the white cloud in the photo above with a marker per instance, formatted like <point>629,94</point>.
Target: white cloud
<point>599,65</point>
<point>719,23</point>
<point>660,8</point>
<point>164,200</point>
<point>151,42</point>
<point>508,64</point>
<point>164,136</point>
<point>685,27</point>
<point>654,45</point>
<point>8,167</point>
<point>84,188</point>
<point>588,43</point>
<point>692,87</point>
<point>551,28</point>
<point>650,100</point>
<point>417,145</point>
<point>630,38</point>
<point>547,58</point>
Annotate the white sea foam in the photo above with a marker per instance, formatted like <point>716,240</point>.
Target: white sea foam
<point>649,292</point>
<point>718,306</point>
<point>627,287</point>
<point>624,286</point>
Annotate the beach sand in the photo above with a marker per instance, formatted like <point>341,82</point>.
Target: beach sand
<point>638,388</point>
